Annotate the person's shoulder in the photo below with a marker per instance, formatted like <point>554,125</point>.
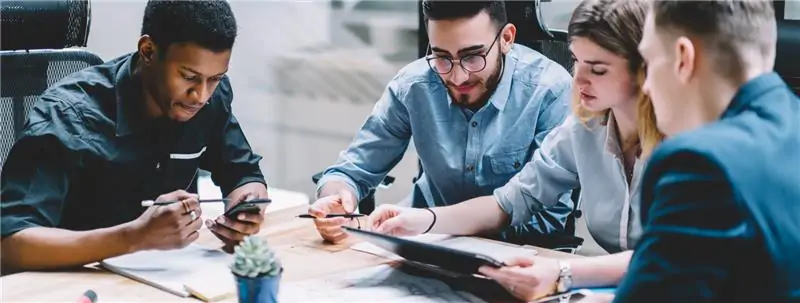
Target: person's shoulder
<point>416,75</point>
<point>84,92</point>
<point>537,70</point>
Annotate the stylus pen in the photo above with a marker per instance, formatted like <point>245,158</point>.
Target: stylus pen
<point>148,203</point>
<point>307,216</point>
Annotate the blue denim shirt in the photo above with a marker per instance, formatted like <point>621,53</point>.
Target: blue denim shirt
<point>464,155</point>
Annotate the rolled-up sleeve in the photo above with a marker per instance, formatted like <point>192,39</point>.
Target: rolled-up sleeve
<point>377,147</point>
<point>544,180</point>
<point>230,159</point>
<point>36,174</point>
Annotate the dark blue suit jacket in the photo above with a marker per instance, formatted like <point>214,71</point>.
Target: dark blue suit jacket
<point>721,207</point>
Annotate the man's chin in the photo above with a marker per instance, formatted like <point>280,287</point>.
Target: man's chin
<point>182,116</point>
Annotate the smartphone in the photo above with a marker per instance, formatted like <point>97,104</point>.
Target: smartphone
<point>248,207</point>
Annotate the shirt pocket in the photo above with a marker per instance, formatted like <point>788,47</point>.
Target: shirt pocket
<point>504,165</point>
<point>183,168</point>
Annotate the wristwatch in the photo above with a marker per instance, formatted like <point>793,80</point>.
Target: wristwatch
<point>564,282</point>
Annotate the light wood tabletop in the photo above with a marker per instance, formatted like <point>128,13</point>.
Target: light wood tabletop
<point>296,241</point>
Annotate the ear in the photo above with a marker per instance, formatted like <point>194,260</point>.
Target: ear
<point>507,37</point>
<point>685,59</point>
<point>148,51</point>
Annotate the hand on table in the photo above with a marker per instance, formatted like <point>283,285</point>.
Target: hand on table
<point>231,232</point>
<point>527,278</point>
<point>169,226</point>
<point>400,221</point>
<point>331,228</point>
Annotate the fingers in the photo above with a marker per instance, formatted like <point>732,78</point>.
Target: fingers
<point>392,226</point>
<point>251,218</point>
<point>331,229</point>
<point>325,206</point>
<point>379,215</point>
<point>242,227</point>
<point>519,261</point>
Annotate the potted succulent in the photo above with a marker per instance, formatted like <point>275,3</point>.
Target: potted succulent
<point>257,271</point>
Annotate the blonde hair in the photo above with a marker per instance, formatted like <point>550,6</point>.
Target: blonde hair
<point>616,25</point>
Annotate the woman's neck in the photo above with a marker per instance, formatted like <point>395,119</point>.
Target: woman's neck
<point>625,118</point>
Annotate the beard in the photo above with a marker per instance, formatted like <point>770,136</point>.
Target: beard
<point>490,84</point>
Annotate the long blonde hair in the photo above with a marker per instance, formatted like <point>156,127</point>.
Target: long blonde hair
<point>616,25</point>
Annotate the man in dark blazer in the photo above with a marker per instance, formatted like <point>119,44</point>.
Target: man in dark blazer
<point>721,196</point>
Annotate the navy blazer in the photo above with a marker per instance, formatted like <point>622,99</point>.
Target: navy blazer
<point>721,207</point>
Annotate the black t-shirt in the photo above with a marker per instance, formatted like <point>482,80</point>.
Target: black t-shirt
<point>89,155</point>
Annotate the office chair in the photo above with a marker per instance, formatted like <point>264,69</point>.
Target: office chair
<point>786,63</point>
<point>37,50</point>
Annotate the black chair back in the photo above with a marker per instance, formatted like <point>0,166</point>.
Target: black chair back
<point>41,43</point>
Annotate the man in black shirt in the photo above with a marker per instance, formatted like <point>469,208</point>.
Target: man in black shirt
<point>102,140</point>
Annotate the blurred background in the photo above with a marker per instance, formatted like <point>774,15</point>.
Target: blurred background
<point>305,74</point>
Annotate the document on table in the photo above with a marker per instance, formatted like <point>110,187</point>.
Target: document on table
<point>375,284</point>
<point>193,270</point>
<point>496,250</point>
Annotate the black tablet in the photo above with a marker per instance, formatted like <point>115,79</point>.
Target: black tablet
<point>454,260</point>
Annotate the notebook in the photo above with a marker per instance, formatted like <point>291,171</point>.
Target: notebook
<point>192,271</point>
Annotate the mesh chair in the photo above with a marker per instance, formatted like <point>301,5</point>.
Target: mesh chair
<point>786,63</point>
<point>37,37</point>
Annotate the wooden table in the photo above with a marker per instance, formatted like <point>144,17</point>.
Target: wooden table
<point>296,241</point>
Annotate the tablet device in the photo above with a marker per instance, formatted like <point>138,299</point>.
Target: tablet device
<point>250,207</point>
<point>454,260</point>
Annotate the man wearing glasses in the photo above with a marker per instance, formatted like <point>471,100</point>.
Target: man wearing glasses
<point>476,106</point>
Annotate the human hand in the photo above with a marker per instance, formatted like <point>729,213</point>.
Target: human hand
<point>169,226</point>
<point>331,228</point>
<point>400,221</point>
<point>526,278</point>
<point>233,231</point>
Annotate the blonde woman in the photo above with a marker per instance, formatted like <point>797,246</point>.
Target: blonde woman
<point>601,148</point>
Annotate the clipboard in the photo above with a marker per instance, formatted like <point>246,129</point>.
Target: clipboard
<point>452,260</point>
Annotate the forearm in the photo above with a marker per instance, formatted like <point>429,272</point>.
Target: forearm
<point>42,248</point>
<point>599,271</point>
<point>480,215</point>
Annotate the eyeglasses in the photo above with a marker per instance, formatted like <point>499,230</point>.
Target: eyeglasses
<point>472,63</point>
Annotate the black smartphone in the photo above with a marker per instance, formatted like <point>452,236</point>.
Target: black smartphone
<point>248,207</point>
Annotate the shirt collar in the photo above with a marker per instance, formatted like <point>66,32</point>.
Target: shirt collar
<point>752,90</point>
<point>130,102</point>
<point>503,90</point>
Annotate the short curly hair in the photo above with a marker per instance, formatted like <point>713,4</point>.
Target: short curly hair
<point>207,23</point>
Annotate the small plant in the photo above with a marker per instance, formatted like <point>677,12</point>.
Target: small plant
<point>253,258</point>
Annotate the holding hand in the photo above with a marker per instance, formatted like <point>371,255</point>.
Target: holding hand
<point>233,231</point>
<point>331,228</point>
<point>527,278</point>
<point>400,221</point>
<point>169,226</point>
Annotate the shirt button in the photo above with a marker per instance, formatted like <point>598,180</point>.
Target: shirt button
<point>516,165</point>
<point>470,168</point>
<point>474,124</point>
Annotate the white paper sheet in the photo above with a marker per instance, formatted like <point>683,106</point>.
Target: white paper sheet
<point>376,284</point>
<point>170,270</point>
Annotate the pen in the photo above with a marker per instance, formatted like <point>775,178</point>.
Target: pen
<point>307,216</point>
<point>148,203</point>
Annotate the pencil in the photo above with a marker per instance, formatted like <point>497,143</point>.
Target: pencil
<point>148,203</point>
<point>307,216</point>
